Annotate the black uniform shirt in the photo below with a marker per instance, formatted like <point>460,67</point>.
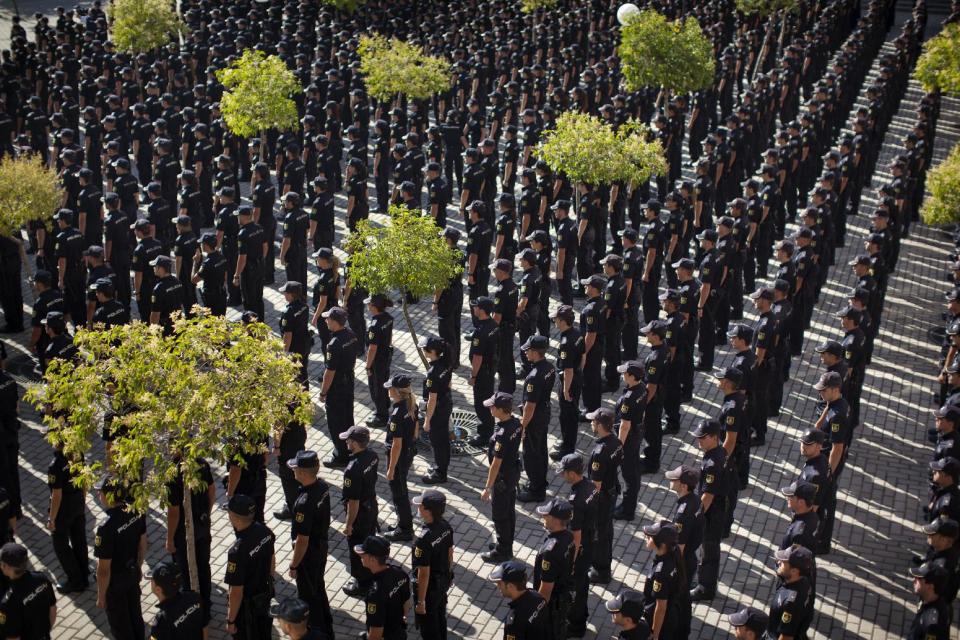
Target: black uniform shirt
<point>212,271</point>
<point>117,539</point>
<point>802,531</point>
<point>250,243</point>
<point>200,505</point>
<point>711,473</point>
<point>537,387</point>
<point>389,591</point>
<point>25,607</point>
<point>484,342</point>
<point>179,618</point>
<point>295,319</point>
<point>593,318</point>
<point>528,618</point>
<point>505,300</point>
<point>790,610</point>
<point>689,520</point>
<point>340,356</point>
<point>402,425</point>
<point>249,560</point>
<point>311,518</point>
<point>605,461</point>
<point>431,549</point>
<point>816,471</point>
<point>932,622</point>
<point>631,406</point>
<point>554,562</point>
<point>837,424</point>
<point>663,582</point>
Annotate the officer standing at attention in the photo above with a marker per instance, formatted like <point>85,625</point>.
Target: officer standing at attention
<point>654,375</point>
<point>432,565</point>
<point>438,407</point>
<point>292,615</point>
<point>791,609</point>
<point>629,414</point>
<point>713,497</point>
<point>295,326</point>
<point>310,532</point>
<point>147,250</point>
<point>388,597</point>
<point>605,460</point>
<point>627,610</point>
<point>71,271</point>
<point>249,572</point>
<point>210,268</point>
<point>180,615</point>
<point>666,600</point>
<point>402,433</point>
<point>448,304</point>
<point>528,618</point>
<point>336,387</point>
<point>120,544</point>
<point>251,250</point>
<point>67,522</point>
<point>500,488</point>
<point>167,294</point>
<point>47,299</point>
<point>932,620</point>
<point>28,607</point>
<point>378,357</point>
<point>483,365</point>
<point>506,297</point>
<point>553,568</point>
<point>835,423</point>
<point>360,498</point>
<point>687,517</point>
<point>569,379</point>
<point>535,419</point>
<point>733,421</point>
<point>593,329</point>
<point>110,312</point>
<point>614,300</point>
<point>582,525</point>
<point>749,624</point>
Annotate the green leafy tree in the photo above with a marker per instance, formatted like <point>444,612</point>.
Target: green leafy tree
<point>405,257</point>
<point>764,10</point>
<point>392,68</point>
<point>589,151</point>
<point>29,190</point>
<point>143,25</point>
<point>943,206</point>
<point>259,95</point>
<point>656,52</point>
<point>347,6</point>
<point>529,6</point>
<point>210,390</point>
<point>939,65</point>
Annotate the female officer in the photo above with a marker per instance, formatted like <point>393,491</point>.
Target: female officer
<point>666,602</point>
<point>357,205</point>
<point>326,292</point>
<point>436,396</point>
<point>401,433</point>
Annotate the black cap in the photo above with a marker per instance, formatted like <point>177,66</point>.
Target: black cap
<point>397,381</point>
<point>558,508</point>
<point>751,618</point>
<point>166,574</point>
<point>949,411</point>
<point>528,255</point>
<point>656,327</point>
<point>103,285</point>
<point>292,610</point>
<point>565,312</point>
<point>853,314</point>
<point>663,532</point>
<point>708,234</point>
<point>379,300</point>
<point>64,215</point>
<point>540,235</point>
<point>629,233</point>
<point>209,239</point>
<point>54,320</point>
<point>943,526</point>
<point>741,331</point>
<point>373,546</point>
<point>796,556</point>
<point>502,264</point>
<point>830,379</point>
<point>242,505</point>
<point>571,462</point>
<point>628,603</point>
<point>561,203</point>
<point>500,400</point>
<point>433,343</point>
<point>707,428</point>
<point>304,460</point>
<point>862,260</point>
<point>633,367</point>
<point>685,263</point>
<point>948,465</point>
<point>670,295</point>
<point>323,252</point>
<point>686,474</point>
<point>536,342</point>
<point>806,491</point>
<point>484,303</point>
<point>336,314</point>
<point>601,415</point>
<point>94,250</point>
<point>162,261</point>
<point>813,436</point>
<point>832,347</point>
<point>430,498</point>
<point>928,571</point>
<point>732,374</point>
<point>762,293</point>
<point>357,433</point>
<point>291,286</point>
<point>14,554</point>
<point>596,281</point>
<point>510,571</point>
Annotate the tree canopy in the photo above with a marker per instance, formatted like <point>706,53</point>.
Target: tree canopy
<point>529,6</point>
<point>764,8</point>
<point>656,52</point>
<point>942,207</point>
<point>938,67</point>
<point>347,6</point>
<point>212,389</point>
<point>143,25</point>
<point>29,190</point>
<point>391,67</point>
<point>258,94</point>
<point>588,150</point>
<point>407,256</point>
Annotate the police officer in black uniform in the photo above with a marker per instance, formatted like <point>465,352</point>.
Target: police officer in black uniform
<point>582,497</point>
<point>48,298</point>
<point>666,600</point>
<point>614,301</point>
<point>120,543</point>
<point>336,387</point>
<point>251,251</point>
<point>295,326</point>
<point>835,422</point>
<point>500,488</point>
<point>67,523</point>
<point>733,420</point>
<point>248,575</point>
<point>438,406</point>
<point>528,617</point>
<point>605,460</point>
<point>713,496</point>
<point>180,614</point>
<point>569,379</point>
<point>388,596</point>
<point>210,269</point>
<point>448,303</point>
<point>167,295</point>
<point>68,250</point>
<point>593,328</point>
<point>360,500</point>
<point>932,620</point>
<point>28,607</point>
<point>402,432</point>
<point>535,418</point>
<point>378,356</point>
<point>505,300</point>
<point>201,503</point>
<point>483,354</point>
<point>655,365</point>
<point>432,565</point>
<point>629,414</point>
<point>627,610</point>
<point>292,615</point>
<point>553,567</point>
<point>310,532</point>
<point>791,609</point>
<point>148,248</point>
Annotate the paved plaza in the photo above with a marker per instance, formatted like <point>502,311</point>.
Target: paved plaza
<point>863,588</point>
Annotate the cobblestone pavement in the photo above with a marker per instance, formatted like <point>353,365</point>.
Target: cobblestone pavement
<point>864,589</point>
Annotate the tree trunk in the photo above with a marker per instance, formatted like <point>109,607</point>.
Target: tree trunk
<point>191,546</point>
<point>412,329</point>
<point>263,147</point>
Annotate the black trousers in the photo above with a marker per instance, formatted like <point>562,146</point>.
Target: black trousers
<point>10,472</point>
<point>611,351</point>
<point>448,327</point>
<point>631,332</point>
<point>651,296</point>
<point>215,301</point>
<point>760,398</point>
<point>292,440</point>
<point>708,335</point>
<point>565,285</point>
<point>483,389</point>
<point>202,546</point>
<point>569,415</point>
<point>11,295</point>
<point>124,615</point>
<point>251,289</point>
<point>400,495</point>
<point>630,470</point>
<point>535,450</point>
<point>506,369</point>
<point>379,374</point>
<point>503,504</point>
<point>312,589</point>
<point>603,549</point>
<point>685,353</point>
<point>713,524</point>
<point>339,408</point>
<point>269,225</point>
<point>577,619</point>
<point>593,376</point>
<point>653,432</point>
<point>253,625</point>
<point>440,437</point>
<point>70,541</point>
<point>121,265</point>
<point>296,267</point>
<point>433,624</point>
<point>673,394</point>
<point>233,292</point>
<point>526,327</point>
<point>365,525</point>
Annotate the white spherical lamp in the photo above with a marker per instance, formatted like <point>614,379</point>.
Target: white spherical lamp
<point>627,12</point>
